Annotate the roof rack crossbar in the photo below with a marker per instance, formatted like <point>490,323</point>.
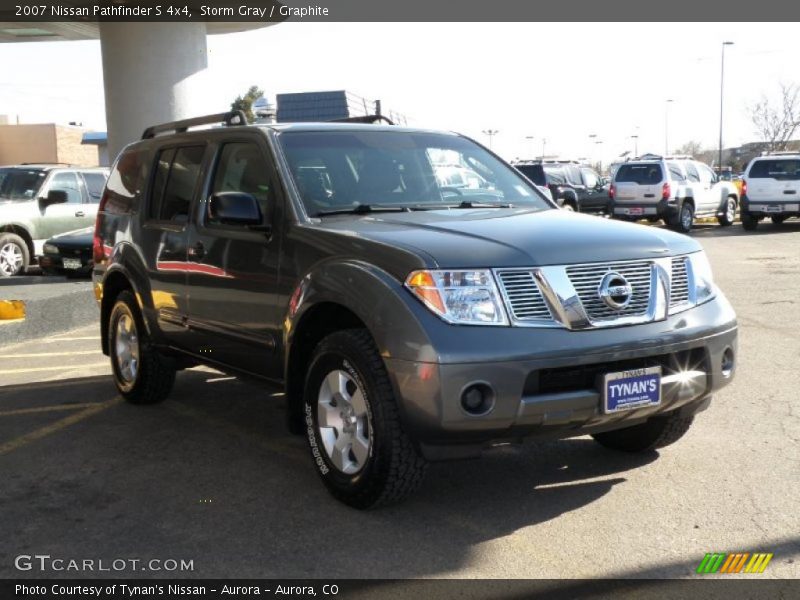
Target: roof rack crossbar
<point>364,119</point>
<point>231,118</point>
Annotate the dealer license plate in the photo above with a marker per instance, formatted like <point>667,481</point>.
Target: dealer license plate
<point>72,263</point>
<point>635,211</point>
<point>626,390</point>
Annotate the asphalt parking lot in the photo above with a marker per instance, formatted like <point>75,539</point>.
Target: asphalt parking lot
<point>211,475</point>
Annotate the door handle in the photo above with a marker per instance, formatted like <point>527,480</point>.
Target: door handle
<point>79,213</point>
<point>197,251</point>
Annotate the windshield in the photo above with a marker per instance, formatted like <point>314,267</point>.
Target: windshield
<point>647,174</point>
<point>20,184</point>
<point>342,170</point>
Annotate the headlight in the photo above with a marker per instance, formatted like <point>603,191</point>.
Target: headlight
<point>50,249</point>
<point>702,280</point>
<point>463,297</point>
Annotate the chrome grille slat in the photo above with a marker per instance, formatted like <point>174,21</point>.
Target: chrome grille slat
<point>679,293</point>
<point>586,281</point>
<point>524,299</point>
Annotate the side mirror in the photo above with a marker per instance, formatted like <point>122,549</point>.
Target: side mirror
<point>54,197</point>
<point>235,208</point>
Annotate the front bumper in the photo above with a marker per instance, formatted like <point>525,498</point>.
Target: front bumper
<point>545,384</point>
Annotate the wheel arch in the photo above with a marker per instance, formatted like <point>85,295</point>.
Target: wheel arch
<point>22,232</point>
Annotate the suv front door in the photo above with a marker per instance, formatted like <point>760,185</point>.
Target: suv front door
<point>233,316</point>
<point>596,198</point>
<point>68,216</point>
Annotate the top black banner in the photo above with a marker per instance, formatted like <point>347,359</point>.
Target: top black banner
<point>264,11</point>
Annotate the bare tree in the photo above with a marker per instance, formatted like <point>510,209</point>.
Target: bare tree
<point>776,121</point>
<point>691,148</point>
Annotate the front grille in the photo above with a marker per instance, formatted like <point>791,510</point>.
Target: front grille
<point>524,297</point>
<point>679,291</point>
<point>586,281</point>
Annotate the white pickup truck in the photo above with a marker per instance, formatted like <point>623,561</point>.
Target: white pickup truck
<point>674,189</point>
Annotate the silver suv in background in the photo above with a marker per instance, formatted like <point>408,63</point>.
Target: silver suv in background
<point>771,188</point>
<point>39,201</point>
<point>673,189</point>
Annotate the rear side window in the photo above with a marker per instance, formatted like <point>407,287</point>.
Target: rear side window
<point>691,173</point>
<point>676,173</point>
<point>125,183</point>
<point>640,174</point>
<point>94,181</point>
<point>574,175</point>
<point>533,172</point>
<point>174,182</point>
<point>775,169</point>
<point>555,175</point>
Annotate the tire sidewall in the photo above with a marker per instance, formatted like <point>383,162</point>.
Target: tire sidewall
<point>121,308</point>
<point>685,207</point>
<point>330,358</point>
<point>11,238</point>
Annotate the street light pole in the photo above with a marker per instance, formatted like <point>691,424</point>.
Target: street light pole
<point>491,133</point>
<point>666,126</point>
<point>530,137</point>
<point>600,160</point>
<point>635,139</point>
<point>721,97</point>
<point>544,144</point>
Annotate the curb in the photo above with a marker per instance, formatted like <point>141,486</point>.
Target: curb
<point>12,310</point>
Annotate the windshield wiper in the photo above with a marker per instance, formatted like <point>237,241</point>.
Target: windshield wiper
<point>362,209</point>
<point>463,204</point>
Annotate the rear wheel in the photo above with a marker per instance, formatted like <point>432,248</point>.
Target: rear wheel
<point>778,219</point>
<point>727,218</point>
<point>142,374</point>
<point>14,256</point>
<point>654,433</point>
<point>353,424</point>
<point>749,222</point>
<point>685,219</point>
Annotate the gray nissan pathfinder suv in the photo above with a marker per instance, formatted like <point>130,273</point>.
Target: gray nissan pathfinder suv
<point>406,320</point>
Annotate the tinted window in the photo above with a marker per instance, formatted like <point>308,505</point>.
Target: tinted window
<point>20,184</point>
<point>95,181</point>
<point>533,172</point>
<point>676,173</point>
<point>574,175</point>
<point>555,175</point>
<point>242,168</point>
<point>399,169</point>
<point>776,169</point>
<point>125,182</point>
<point>183,176</point>
<point>691,172</point>
<point>641,174</point>
<point>590,178</point>
<point>67,182</point>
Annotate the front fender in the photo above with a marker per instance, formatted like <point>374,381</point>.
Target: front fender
<point>392,315</point>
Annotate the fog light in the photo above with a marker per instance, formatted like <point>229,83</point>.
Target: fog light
<point>477,399</point>
<point>727,363</point>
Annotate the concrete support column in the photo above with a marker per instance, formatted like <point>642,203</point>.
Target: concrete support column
<point>152,73</point>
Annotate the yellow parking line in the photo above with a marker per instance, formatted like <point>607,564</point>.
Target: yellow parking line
<point>70,339</point>
<point>12,310</point>
<point>41,354</point>
<point>44,409</point>
<point>61,368</point>
<point>42,432</point>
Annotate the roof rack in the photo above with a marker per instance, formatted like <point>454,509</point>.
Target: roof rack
<point>234,117</point>
<point>780,153</point>
<point>365,119</point>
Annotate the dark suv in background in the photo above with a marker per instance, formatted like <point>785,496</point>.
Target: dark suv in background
<point>406,319</point>
<point>573,186</point>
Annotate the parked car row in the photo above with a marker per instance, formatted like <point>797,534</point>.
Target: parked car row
<point>40,201</point>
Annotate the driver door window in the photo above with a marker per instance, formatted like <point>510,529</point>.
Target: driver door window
<point>242,168</point>
<point>67,182</point>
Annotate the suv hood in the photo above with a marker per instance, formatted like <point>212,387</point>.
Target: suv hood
<point>463,238</point>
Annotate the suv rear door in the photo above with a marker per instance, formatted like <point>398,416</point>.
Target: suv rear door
<point>639,183</point>
<point>233,315</point>
<point>772,180</point>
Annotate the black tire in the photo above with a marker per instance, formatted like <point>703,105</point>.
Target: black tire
<point>393,468</point>
<point>729,215</point>
<point>777,219</point>
<point>654,433</point>
<point>154,374</point>
<point>14,243</point>
<point>749,222</point>
<point>684,220</point>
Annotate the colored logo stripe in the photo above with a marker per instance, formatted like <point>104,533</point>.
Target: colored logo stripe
<point>721,562</point>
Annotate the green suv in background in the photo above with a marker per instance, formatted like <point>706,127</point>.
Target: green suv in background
<point>38,201</point>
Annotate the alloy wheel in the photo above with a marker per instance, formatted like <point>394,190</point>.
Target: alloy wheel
<point>343,420</point>
<point>10,259</point>
<point>126,345</point>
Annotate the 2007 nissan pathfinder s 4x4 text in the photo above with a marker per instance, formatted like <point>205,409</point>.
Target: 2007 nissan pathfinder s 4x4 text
<point>408,321</point>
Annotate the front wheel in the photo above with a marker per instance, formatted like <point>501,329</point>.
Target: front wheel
<point>654,433</point>
<point>142,375</point>
<point>353,424</point>
<point>729,215</point>
<point>14,257</point>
